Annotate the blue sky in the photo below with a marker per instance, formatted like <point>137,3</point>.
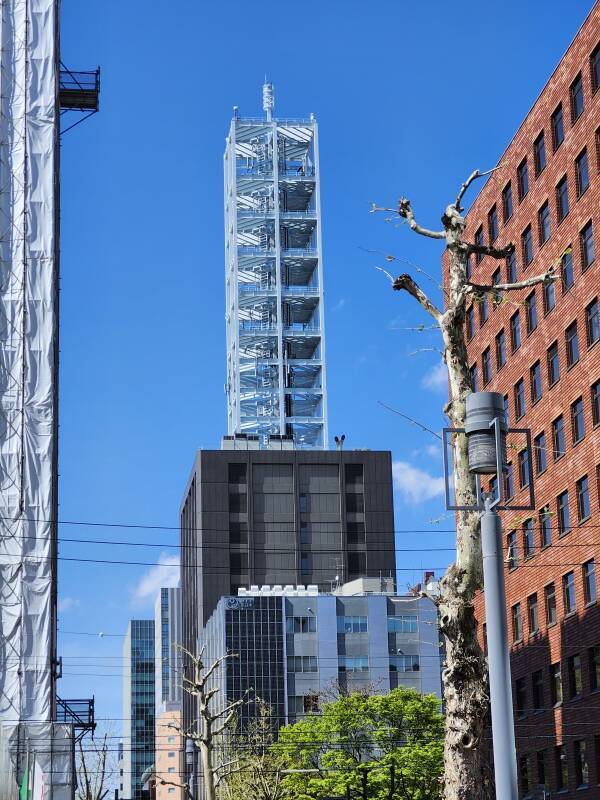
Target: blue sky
<point>410,98</point>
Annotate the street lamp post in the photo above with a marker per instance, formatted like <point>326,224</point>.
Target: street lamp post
<point>486,430</point>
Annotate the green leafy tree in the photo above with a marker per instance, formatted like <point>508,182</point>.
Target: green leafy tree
<point>394,742</point>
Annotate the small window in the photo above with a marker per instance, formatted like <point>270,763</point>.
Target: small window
<point>511,550</point>
<point>474,378</point>
<point>569,599</point>
<point>564,518</point>
<point>238,503</point>
<point>558,438</point>
<point>588,573</point>
<point>486,366</point>
<point>575,676</point>
<point>572,344</point>
<point>511,267</point>
<point>525,774</point>
<point>544,223</point>
<point>555,684</point>
<point>493,224</point>
<point>524,469</point>
<point>484,311</point>
<point>468,268</point>
<point>532,614</point>
<point>479,241</point>
<point>519,391</point>
<point>550,602</point>
<point>566,271</point>
<point>549,296</point>
<point>238,563</point>
<point>582,172</point>
<point>577,421</point>
<point>582,773</point>
<point>509,483</point>
<point>582,488</point>
<point>303,503</point>
<point>506,405</point>
<point>539,449</point>
<point>545,527</point>
<point>562,767</point>
<point>539,154</point>
<point>528,543</point>
<point>496,279</point>
<point>500,349</point>
<point>530,313</point>
<point>523,179</point>
<point>357,565</point>
<point>355,502</point>
<point>558,127</point>
<point>576,97</point>
<point>541,758</point>
<point>470,323</point>
<point>237,474</point>
<point>507,202</point>
<point>562,199</point>
<point>588,251</point>
<point>535,381</point>
<point>595,392</point>
<point>354,474</point>
<point>517,623</point>
<point>595,68</point>
<point>527,246</point>
<point>592,322</point>
<point>356,532</point>
<point>515,331</point>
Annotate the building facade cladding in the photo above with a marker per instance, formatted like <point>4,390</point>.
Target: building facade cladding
<point>274,282</point>
<point>169,753</point>
<point>168,638</point>
<point>293,650</point>
<point>550,376</point>
<point>286,517</point>
<point>138,706</point>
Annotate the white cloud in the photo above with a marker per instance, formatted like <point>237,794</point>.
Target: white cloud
<point>415,484</point>
<point>436,378</point>
<point>166,573</point>
<point>67,603</point>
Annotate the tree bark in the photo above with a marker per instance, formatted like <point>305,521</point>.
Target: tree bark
<point>467,774</point>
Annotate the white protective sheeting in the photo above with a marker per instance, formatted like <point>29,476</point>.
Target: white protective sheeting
<point>50,746</point>
<point>28,168</point>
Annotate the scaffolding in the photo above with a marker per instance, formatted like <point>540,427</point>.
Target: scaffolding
<point>273,282</point>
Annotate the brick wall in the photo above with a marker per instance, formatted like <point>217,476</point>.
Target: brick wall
<point>577,719</point>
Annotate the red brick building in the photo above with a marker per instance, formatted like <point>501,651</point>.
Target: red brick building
<point>541,349</point>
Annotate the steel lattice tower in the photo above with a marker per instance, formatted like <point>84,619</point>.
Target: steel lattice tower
<point>274,280</point>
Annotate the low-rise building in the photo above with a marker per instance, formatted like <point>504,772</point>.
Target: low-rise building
<point>292,646</point>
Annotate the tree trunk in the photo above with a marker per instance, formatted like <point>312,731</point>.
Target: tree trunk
<point>467,774</point>
<point>208,774</point>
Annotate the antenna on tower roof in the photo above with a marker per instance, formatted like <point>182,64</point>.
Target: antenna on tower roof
<point>268,99</point>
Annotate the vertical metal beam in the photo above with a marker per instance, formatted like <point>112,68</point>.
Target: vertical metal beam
<point>325,433</point>
<point>280,321</point>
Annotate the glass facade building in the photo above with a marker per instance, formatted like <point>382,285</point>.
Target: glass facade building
<point>167,627</point>
<point>138,707</point>
<point>292,645</point>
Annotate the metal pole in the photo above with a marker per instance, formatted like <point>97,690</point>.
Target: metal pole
<point>503,729</point>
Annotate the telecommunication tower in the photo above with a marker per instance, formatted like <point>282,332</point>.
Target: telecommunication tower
<point>274,279</point>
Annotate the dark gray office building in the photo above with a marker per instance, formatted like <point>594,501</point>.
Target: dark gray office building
<point>255,517</point>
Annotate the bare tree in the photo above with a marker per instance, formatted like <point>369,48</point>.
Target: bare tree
<point>259,777</point>
<point>213,723</point>
<point>466,772</point>
<point>94,769</point>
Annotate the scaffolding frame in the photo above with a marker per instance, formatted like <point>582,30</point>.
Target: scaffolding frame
<point>276,376</point>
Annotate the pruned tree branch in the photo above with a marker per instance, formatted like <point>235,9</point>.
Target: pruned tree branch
<point>547,277</point>
<point>472,177</point>
<point>405,211</point>
<point>490,250</point>
<point>408,284</point>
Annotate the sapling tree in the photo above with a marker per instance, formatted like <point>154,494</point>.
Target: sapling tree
<point>466,771</point>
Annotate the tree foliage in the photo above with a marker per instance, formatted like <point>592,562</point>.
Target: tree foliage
<point>359,733</point>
